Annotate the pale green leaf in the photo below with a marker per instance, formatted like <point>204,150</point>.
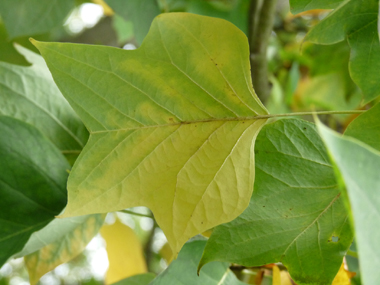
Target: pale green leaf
<point>366,127</point>
<point>358,165</point>
<point>58,230</point>
<point>140,12</point>
<point>63,241</point>
<point>32,17</point>
<point>296,215</point>
<point>33,176</point>
<point>183,270</point>
<point>360,30</point>
<point>298,6</point>
<point>30,94</point>
<point>172,124</point>
<point>140,279</point>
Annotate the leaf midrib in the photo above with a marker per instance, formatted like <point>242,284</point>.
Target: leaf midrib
<point>210,120</point>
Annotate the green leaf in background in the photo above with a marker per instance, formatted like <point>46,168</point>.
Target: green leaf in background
<point>366,127</point>
<point>32,17</point>
<point>59,242</point>
<point>360,30</point>
<point>172,124</point>
<point>140,12</point>
<point>33,175</point>
<point>183,270</point>
<point>140,279</point>
<point>235,11</point>
<point>358,165</point>
<point>298,6</point>
<point>296,215</point>
<point>8,52</point>
<point>30,94</point>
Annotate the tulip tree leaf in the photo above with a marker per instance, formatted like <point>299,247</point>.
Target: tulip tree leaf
<point>366,127</point>
<point>183,270</point>
<point>30,94</point>
<point>360,30</point>
<point>296,215</point>
<point>59,229</point>
<point>70,237</point>
<point>298,6</point>
<point>358,165</point>
<point>33,176</point>
<point>140,12</point>
<point>32,17</point>
<point>172,124</point>
<point>124,250</point>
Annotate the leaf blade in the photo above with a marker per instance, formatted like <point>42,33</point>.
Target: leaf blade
<point>26,178</point>
<point>164,108</point>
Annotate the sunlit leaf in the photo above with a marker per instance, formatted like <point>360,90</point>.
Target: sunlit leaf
<point>172,124</point>
<point>343,277</point>
<point>296,215</point>
<point>183,270</point>
<point>125,253</point>
<point>359,166</point>
<point>360,30</point>
<point>140,279</point>
<point>33,176</point>
<point>70,237</point>
<point>30,94</point>
<point>280,277</point>
<point>22,18</point>
<point>140,12</point>
<point>366,127</point>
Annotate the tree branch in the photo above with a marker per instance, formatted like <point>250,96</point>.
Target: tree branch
<point>260,28</point>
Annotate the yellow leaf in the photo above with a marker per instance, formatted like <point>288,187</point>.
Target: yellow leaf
<point>124,250</point>
<point>173,124</point>
<point>343,277</point>
<point>280,277</point>
<point>66,246</point>
<point>106,9</point>
<point>166,253</point>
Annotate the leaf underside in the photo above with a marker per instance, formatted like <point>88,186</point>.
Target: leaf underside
<point>172,124</point>
<point>296,215</point>
<point>74,234</point>
<point>358,165</point>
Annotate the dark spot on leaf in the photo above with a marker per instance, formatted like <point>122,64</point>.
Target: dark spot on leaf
<point>290,209</point>
<point>264,206</point>
<point>304,128</point>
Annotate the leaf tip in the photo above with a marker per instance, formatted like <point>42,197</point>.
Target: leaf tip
<point>33,41</point>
